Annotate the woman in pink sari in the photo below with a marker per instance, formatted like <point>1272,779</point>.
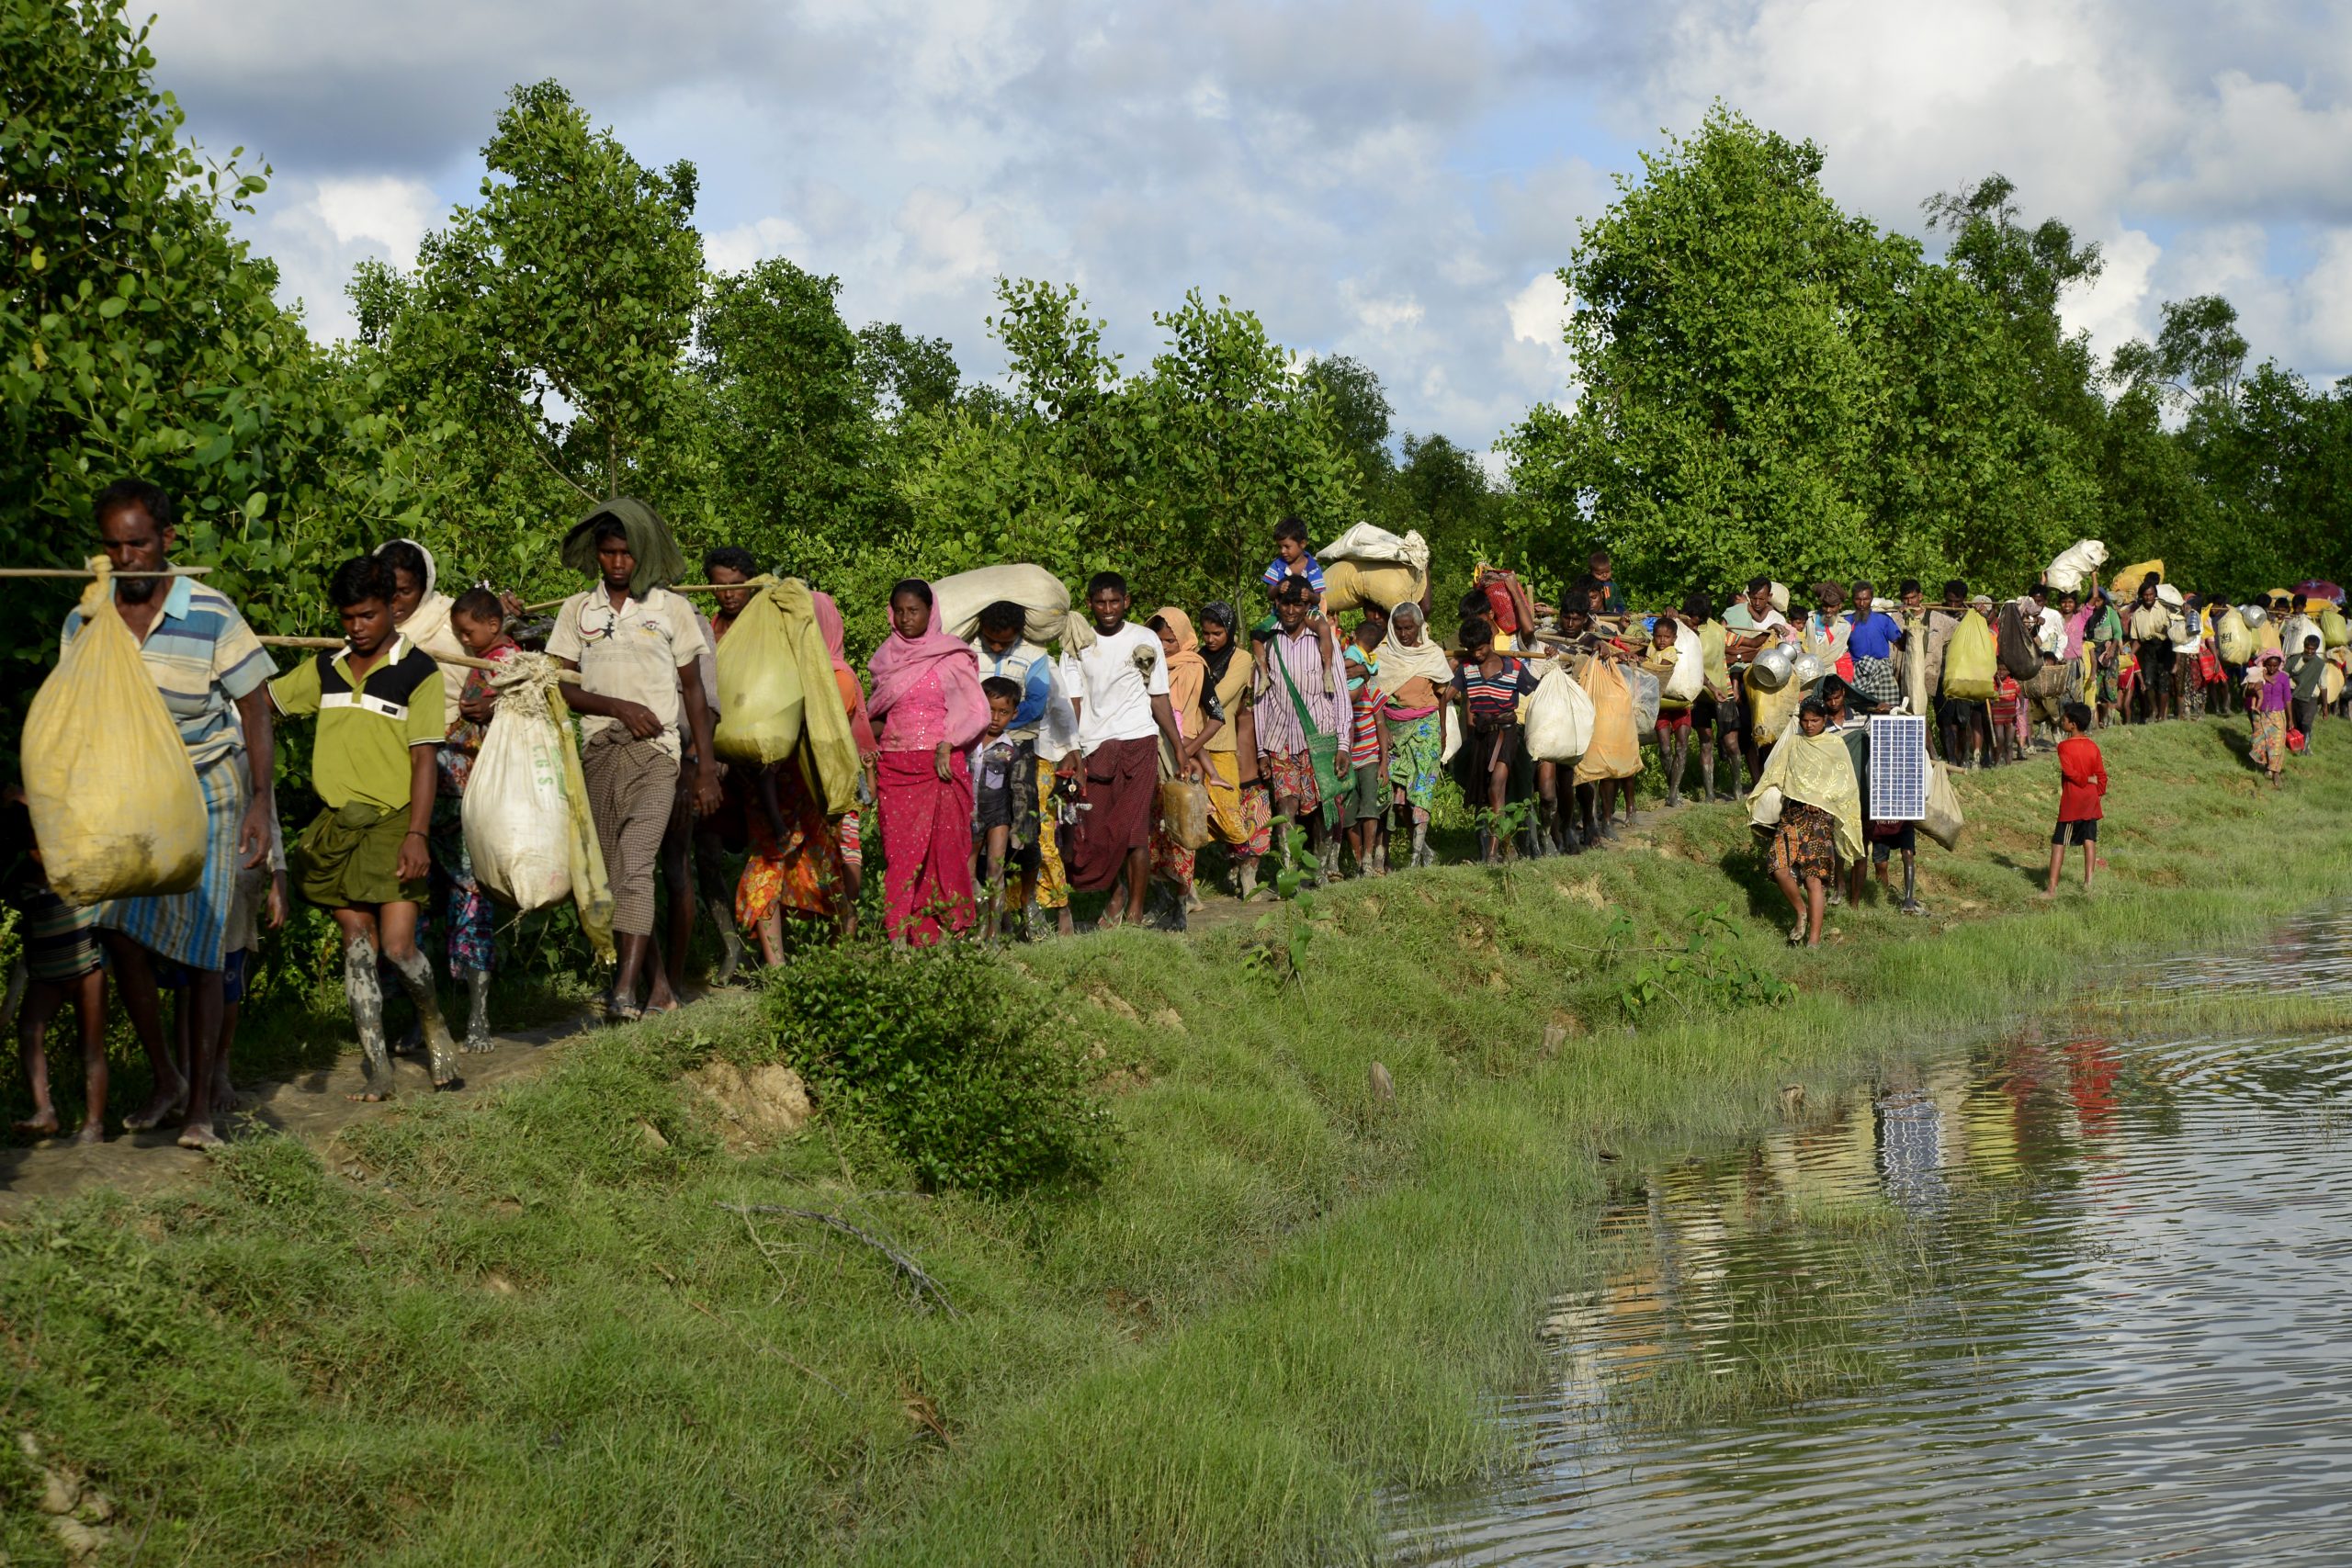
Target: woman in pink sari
<point>927,698</point>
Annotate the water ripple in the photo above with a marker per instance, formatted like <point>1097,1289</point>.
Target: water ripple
<point>2078,1302</point>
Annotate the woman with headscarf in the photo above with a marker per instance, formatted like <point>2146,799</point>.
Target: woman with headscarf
<point>1414,672</point>
<point>927,694</point>
<point>1189,695</point>
<point>1228,752</point>
<point>1811,774</point>
<point>421,613</point>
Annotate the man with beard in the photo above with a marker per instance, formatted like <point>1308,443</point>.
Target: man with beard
<point>210,672</point>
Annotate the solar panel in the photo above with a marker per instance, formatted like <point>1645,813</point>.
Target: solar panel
<point>1899,769</point>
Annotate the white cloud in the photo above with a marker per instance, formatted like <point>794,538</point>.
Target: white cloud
<point>317,231</point>
<point>1394,179</point>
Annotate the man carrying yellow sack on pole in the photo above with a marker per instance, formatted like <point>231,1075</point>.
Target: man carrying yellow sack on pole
<point>210,669</point>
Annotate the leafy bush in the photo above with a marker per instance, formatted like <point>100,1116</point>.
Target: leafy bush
<point>950,1056</point>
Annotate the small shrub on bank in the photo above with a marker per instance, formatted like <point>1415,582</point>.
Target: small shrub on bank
<point>949,1054</point>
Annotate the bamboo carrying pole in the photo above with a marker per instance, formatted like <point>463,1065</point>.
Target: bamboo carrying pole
<point>672,587</point>
<point>84,571</point>
<point>325,643</point>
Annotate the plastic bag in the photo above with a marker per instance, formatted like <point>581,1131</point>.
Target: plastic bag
<point>760,694</point>
<point>1184,812</point>
<point>1043,597</point>
<point>517,813</point>
<point>2234,638</point>
<point>1943,821</point>
<point>1374,545</point>
<point>114,803</point>
<point>1615,750</point>
<point>2018,645</point>
<point>1765,806</point>
<point>1559,718</point>
<point>2333,631</point>
<point>1968,661</point>
<point>1689,677</point>
<point>1643,688</point>
<point>2074,564</point>
<point>2125,584</point>
<point>1347,584</point>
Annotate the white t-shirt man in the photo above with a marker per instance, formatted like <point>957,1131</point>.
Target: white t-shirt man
<point>1114,682</point>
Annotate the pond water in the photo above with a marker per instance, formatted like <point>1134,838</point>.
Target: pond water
<point>2068,1300</point>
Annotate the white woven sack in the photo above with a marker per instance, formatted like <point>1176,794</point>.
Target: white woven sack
<point>517,821</point>
<point>1559,718</point>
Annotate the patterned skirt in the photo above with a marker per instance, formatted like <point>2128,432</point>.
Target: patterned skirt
<point>1415,748</point>
<point>465,907</point>
<point>1874,679</point>
<point>1805,842</point>
<point>2270,741</point>
<point>801,872</point>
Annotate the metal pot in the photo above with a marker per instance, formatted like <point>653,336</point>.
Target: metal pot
<point>1772,668</point>
<point>1807,669</point>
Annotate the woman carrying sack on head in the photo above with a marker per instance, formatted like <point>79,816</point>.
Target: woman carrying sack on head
<point>1189,694</point>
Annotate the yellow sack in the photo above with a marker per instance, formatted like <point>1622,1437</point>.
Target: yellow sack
<point>1615,749</point>
<point>2125,584</point>
<point>2333,632</point>
<point>1968,661</point>
<point>2330,684</point>
<point>760,694</point>
<point>1769,713</point>
<point>1347,584</point>
<point>114,803</point>
<point>1184,812</point>
<point>829,760</point>
<point>2233,638</point>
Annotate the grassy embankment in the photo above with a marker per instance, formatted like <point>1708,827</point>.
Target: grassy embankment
<point>523,1329</point>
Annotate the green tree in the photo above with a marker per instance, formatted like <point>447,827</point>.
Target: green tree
<point>137,336</point>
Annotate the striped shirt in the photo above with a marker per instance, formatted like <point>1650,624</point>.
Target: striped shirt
<point>1494,698</point>
<point>1308,568</point>
<point>1363,737</point>
<point>202,658</point>
<point>1320,687</point>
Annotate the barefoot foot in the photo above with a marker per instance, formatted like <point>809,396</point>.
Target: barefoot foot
<point>450,1085</point>
<point>370,1097</point>
<point>200,1136</point>
<point>167,1102</point>
<point>41,1123</point>
<point>91,1133</point>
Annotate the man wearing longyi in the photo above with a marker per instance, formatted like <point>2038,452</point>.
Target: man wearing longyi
<point>211,670</point>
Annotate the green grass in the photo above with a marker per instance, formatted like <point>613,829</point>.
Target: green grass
<point>520,1327</point>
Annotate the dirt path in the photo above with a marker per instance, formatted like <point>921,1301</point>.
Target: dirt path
<point>313,1107</point>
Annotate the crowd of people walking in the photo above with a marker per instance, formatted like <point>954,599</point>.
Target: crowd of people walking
<point>1148,759</point>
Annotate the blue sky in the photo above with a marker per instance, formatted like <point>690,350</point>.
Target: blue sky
<point>1385,178</point>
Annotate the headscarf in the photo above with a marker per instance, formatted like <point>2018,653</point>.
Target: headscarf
<point>1187,671</point>
<point>861,722</point>
<point>1399,663</point>
<point>428,628</point>
<point>658,560</point>
<point>1217,612</point>
<point>901,661</point>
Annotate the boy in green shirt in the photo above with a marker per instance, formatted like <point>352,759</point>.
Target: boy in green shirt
<point>365,859</point>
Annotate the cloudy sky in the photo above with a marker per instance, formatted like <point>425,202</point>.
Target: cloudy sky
<point>1393,179</point>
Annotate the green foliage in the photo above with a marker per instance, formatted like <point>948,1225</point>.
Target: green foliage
<point>951,1057</point>
<point>137,336</point>
<point>1704,976</point>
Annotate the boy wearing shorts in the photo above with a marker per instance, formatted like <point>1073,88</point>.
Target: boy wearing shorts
<point>2081,787</point>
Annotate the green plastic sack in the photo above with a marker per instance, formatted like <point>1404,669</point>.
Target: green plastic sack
<point>115,807</point>
<point>1968,661</point>
<point>2333,632</point>
<point>760,693</point>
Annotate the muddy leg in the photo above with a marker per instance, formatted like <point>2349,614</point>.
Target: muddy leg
<point>478,1035</point>
<point>367,999</point>
<point>415,972</point>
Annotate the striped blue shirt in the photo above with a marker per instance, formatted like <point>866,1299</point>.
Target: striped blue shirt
<point>202,657</point>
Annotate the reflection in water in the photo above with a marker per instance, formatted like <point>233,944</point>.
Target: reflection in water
<point>2097,1290</point>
